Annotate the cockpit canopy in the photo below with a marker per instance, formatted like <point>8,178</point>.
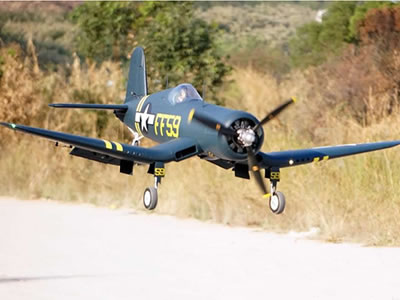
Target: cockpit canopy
<point>182,93</point>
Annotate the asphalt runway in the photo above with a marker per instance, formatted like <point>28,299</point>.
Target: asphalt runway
<point>51,250</point>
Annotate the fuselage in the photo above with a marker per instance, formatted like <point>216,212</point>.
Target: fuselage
<point>160,119</point>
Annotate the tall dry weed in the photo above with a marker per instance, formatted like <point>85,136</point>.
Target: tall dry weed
<point>18,91</point>
<point>352,198</point>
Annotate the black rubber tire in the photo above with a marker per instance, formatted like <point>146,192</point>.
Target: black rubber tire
<point>279,207</point>
<point>150,198</point>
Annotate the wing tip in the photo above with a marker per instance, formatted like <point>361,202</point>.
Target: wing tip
<point>10,125</point>
<point>57,105</point>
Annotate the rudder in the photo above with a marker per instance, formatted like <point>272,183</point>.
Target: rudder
<point>137,79</point>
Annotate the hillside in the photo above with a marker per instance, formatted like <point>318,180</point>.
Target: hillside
<point>244,26</point>
<point>44,23</point>
<point>266,23</point>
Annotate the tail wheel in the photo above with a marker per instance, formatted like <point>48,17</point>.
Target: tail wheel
<point>150,198</point>
<point>277,203</point>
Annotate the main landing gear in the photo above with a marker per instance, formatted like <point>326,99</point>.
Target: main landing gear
<point>150,195</point>
<point>277,199</point>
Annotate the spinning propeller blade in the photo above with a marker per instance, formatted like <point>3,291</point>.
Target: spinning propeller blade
<point>211,123</point>
<point>255,169</point>
<point>275,112</point>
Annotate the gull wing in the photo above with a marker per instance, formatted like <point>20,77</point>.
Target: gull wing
<point>293,158</point>
<point>174,150</point>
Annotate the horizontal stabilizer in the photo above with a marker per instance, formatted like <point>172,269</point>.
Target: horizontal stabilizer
<point>120,107</point>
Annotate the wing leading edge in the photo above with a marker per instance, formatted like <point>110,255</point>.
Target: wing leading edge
<point>174,150</point>
<point>293,158</point>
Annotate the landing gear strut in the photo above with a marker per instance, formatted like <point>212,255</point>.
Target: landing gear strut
<point>136,138</point>
<point>150,195</point>
<point>277,199</point>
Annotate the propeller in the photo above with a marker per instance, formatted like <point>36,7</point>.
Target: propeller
<point>274,113</point>
<point>211,123</point>
<point>246,137</point>
<point>255,169</point>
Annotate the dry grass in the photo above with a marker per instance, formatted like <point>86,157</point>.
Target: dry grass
<point>353,198</point>
<point>273,23</point>
<point>348,199</point>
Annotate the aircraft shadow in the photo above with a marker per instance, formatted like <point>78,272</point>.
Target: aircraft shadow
<point>4,280</point>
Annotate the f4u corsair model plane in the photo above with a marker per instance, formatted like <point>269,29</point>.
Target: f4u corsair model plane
<point>184,126</point>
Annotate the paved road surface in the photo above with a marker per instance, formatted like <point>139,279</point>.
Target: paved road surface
<point>58,251</point>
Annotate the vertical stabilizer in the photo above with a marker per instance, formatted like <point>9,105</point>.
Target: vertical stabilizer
<point>137,80</point>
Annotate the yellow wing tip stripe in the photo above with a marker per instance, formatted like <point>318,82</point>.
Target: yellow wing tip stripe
<point>294,99</point>
<point>316,159</point>
<point>191,114</point>
<point>119,146</point>
<point>108,144</point>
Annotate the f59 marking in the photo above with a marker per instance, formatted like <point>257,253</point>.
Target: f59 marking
<point>168,125</point>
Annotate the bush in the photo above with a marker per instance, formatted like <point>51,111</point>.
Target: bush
<point>367,74</point>
<point>315,43</point>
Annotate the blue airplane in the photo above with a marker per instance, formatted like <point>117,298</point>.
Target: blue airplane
<point>185,125</point>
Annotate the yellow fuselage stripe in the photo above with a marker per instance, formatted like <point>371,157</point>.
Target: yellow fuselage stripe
<point>138,109</point>
<point>137,126</point>
<point>141,102</point>
<point>191,114</point>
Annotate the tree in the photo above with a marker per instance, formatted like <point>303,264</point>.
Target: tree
<point>315,42</point>
<point>181,46</point>
<point>178,45</point>
<point>106,29</point>
<point>360,14</point>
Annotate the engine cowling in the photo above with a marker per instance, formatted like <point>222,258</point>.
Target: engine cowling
<point>243,126</point>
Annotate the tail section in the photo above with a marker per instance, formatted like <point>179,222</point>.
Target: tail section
<point>137,88</point>
<point>137,80</point>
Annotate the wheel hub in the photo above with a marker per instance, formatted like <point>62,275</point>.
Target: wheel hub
<point>147,198</point>
<point>274,202</point>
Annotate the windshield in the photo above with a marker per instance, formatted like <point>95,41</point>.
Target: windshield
<point>182,93</point>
